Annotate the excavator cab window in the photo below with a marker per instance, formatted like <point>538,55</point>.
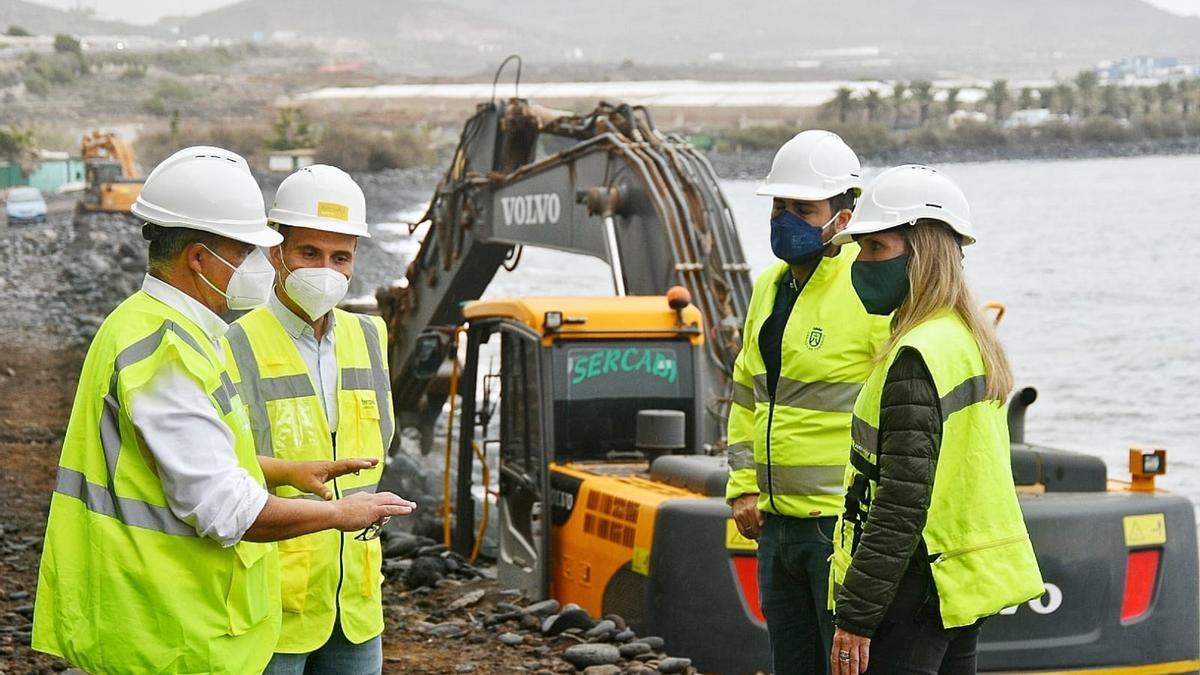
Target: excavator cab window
<point>599,387</point>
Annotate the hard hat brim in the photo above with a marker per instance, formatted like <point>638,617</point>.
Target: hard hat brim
<point>293,219</point>
<point>804,193</point>
<point>854,229</point>
<point>253,232</point>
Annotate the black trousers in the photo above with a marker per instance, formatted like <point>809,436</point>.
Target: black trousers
<point>911,640</point>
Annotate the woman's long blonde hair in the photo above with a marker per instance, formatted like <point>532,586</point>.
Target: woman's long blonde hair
<point>935,283</point>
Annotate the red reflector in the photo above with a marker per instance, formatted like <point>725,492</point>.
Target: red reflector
<point>746,569</point>
<point>1141,573</point>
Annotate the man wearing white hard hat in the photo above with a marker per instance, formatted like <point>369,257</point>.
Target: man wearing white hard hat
<point>316,382</point>
<point>807,349</point>
<point>157,554</point>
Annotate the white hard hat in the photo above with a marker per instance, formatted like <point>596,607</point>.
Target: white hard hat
<point>902,195</point>
<point>321,197</point>
<point>814,165</point>
<point>209,189</point>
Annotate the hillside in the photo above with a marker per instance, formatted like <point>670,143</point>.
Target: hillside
<point>457,36</point>
<point>42,20</point>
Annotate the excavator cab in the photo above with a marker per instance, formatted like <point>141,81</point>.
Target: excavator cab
<point>550,382</point>
<point>113,180</point>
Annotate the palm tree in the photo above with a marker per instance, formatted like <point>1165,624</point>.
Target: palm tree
<point>1110,98</point>
<point>1046,98</point>
<point>1026,100</point>
<point>1187,94</point>
<point>1148,96</point>
<point>844,100</point>
<point>1166,94</point>
<point>923,93</point>
<point>19,147</point>
<point>1087,81</point>
<point>997,95</point>
<point>898,91</point>
<point>1064,94</point>
<point>873,102</point>
<point>952,100</point>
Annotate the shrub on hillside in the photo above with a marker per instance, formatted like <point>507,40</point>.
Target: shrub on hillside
<point>1192,125</point>
<point>866,138</point>
<point>37,85</point>
<point>1056,131</point>
<point>246,139</point>
<point>977,135</point>
<point>168,95</point>
<point>360,149</point>
<point>1105,129</point>
<point>926,138</point>
<point>755,138</point>
<point>1161,126</point>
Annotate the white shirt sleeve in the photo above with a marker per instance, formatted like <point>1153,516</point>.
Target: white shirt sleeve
<point>194,449</point>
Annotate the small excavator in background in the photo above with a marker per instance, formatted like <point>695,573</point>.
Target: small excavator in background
<point>604,416</point>
<point>112,178</point>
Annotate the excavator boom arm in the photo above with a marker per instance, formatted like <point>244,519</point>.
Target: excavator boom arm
<point>615,188</point>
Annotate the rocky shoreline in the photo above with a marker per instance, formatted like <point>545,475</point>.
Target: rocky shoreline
<point>755,164</point>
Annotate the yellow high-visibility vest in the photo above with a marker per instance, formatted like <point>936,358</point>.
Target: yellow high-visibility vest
<point>981,556</point>
<point>124,586</point>
<point>791,449</point>
<point>329,573</point>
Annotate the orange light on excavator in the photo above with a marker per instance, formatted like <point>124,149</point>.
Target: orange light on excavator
<point>678,298</point>
<point>1144,466</point>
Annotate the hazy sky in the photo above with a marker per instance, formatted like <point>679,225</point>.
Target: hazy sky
<point>150,11</point>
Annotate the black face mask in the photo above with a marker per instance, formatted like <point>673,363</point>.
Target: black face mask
<point>881,284</point>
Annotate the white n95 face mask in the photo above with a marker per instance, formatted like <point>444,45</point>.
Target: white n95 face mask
<point>251,283</point>
<point>316,290</point>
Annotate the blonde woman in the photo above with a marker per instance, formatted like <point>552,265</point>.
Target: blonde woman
<point>932,540</point>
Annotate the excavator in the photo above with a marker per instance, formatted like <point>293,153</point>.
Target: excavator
<point>112,179</point>
<point>603,417</point>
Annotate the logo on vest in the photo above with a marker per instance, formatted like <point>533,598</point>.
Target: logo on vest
<point>816,337</point>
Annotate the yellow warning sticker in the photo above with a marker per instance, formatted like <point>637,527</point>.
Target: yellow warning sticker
<point>1145,530</point>
<point>734,540</point>
<point>641,561</point>
<point>333,210</point>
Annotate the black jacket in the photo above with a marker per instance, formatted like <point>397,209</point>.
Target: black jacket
<point>910,435</point>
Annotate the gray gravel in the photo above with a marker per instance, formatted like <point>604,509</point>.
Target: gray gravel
<point>58,282</point>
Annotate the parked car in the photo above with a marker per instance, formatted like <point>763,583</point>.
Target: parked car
<point>25,205</point>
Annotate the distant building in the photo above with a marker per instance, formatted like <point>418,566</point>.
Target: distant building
<point>1033,117</point>
<point>54,172</point>
<point>1135,68</point>
<point>960,117</point>
<point>287,161</point>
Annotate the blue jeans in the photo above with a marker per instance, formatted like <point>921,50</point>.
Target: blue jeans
<point>338,656</point>
<point>793,581</point>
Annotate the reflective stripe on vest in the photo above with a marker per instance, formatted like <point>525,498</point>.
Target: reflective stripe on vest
<point>258,390</point>
<point>127,510</point>
<point>136,513</point>
<point>179,602</point>
<point>325,575</point>
<point>823,396</point>
<point>983,560</point>
<point>826,355</point>
<point>968,392</point>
